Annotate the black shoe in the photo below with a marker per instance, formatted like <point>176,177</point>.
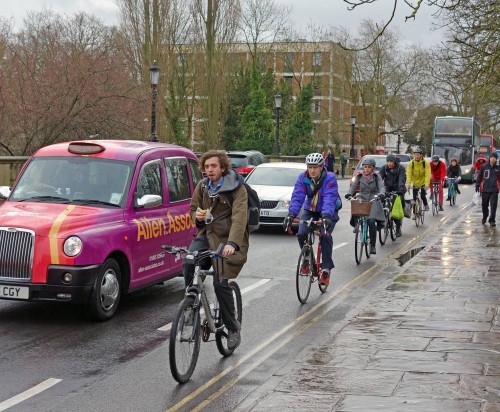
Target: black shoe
<point>441,208</point>
<point>234,338</point>
<point>493,224</point>
<point>398,231</point>
<point>373,250</point>
<point>483,221</point>
<point>458,191</point>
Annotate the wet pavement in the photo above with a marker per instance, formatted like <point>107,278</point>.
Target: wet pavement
<point>429,340</point>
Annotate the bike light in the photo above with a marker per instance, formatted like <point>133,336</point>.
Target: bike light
<point>72,246</point>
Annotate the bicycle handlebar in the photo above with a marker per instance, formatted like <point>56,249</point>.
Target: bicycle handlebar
<point>198,255</point>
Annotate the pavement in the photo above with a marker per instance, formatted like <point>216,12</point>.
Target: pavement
<point>427,340</point>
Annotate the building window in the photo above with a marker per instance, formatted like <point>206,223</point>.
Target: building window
<point>288,79</point>
<point>316,88</point>
<point>289,62</point>
<point>317,61</point>
<point>315,106</point>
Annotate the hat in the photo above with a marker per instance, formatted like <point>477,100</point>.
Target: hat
<point>391,158</point>
<point>494,154</point>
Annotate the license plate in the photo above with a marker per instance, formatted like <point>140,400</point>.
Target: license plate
<point>14,292</point>
<point>264,212</point>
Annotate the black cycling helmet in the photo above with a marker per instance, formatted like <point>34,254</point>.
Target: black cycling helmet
<point>369,161</point>
<point>391,158</point>
<point>435,158</point>
<point>417,150</point>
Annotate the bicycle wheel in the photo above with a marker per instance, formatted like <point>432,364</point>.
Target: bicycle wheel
<point>418,210</point>
<point>453,200</point>
<point>321,286</point>
<point>422,214</point>
<point>184,351</point>
<point>303,279</point>
<point>222,334</point>
<point>435,209</point>
<point>384,232</point>
<point>358,242</point>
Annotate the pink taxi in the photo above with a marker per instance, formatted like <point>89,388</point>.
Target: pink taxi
<point>84,221</point>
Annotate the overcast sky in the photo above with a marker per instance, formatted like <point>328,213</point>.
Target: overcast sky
<point>324,13</point>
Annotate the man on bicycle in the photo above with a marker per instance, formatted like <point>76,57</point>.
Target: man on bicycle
<point>438,173</point>
<point>418,174</point>
<point>394,177</point>
<point>317,191</point>
<point>454,172</point>
<point>219,210</point>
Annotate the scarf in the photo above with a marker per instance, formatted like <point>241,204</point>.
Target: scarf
<point>314,186</point>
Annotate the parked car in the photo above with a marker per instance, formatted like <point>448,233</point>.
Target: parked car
<point>85,220</point>
<point>380,160</point>
<point>244,162</point>
<point>274,184</point>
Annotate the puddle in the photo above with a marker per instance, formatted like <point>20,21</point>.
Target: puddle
<point>405,257</point>
<point>410,278</point>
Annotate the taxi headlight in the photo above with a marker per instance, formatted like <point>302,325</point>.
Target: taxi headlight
<point>72,246</point>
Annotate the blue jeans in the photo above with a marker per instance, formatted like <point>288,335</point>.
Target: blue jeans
<point>343,169</point>
<point>326,241</point>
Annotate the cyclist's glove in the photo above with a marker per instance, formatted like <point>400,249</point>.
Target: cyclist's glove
<point>327,222</point>
<point>288,221</point>
<point>348,196</point>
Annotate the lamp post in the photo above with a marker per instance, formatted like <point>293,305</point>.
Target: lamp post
<point>277,105</point>
<point>154,76</point>
<point>399,141</point>
<point>353,125</point>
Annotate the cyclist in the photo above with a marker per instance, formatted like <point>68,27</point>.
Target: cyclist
<point>418,173</point>
<point>454,171</point>
<point>488,181</point>
<point>481,160</point>
<point>438,173</point>
<point>316,190</point>
<point>394,177</point>
<point>220,220</point>
<point>370,184</point>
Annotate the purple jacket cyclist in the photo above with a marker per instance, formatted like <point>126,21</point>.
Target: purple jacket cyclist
<point>317,192</point>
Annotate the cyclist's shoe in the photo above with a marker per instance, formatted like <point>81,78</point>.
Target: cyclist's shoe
<point>458,191</point>
<point>398,231</point>
<point>483,221</point>
<point>187,329</point>
<point>304,270</point>
<point>234,337</point>
<point>325,277</point>
<point>448,199</point>
<point>493,224</point>
<point>426,208</point>
<point>441,208</point>
<point>373,250</point>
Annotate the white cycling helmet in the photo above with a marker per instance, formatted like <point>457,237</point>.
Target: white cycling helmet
<point>315,159</point>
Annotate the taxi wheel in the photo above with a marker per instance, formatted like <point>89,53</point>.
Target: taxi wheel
<point>106,292</point>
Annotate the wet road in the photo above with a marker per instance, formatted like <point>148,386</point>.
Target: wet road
<point>123,364</point>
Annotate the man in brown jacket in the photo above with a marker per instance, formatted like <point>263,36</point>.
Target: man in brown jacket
<point>219,209</point>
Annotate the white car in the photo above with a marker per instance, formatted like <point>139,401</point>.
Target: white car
<point>274,184</point>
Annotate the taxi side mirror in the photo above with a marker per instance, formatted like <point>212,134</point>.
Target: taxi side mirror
<point>149,201</point>
<point>4,192</point>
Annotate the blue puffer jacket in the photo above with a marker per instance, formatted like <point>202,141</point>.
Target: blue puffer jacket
<point>328,195</point>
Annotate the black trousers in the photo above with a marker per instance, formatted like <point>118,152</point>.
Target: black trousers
<point>422,195</point>
<point>223,291</point>
<point>489,199</point>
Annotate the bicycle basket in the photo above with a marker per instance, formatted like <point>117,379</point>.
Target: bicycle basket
<point>360,207</point>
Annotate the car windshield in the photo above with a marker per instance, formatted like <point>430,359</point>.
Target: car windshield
<point>238,161</point>
<point>274,176</point>
<point>79,180</point>
<point>379,162</point>
<point>403,158</point>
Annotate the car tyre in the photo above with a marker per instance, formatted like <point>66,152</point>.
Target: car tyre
<point>106,292</point>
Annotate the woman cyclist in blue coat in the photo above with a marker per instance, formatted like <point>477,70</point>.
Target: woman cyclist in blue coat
<point>317,191</point>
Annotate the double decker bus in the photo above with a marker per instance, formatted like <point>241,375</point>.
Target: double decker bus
<point>459,137</point>
<point>488,144</point>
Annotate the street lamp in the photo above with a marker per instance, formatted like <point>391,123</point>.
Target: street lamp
<point>154,76</point>
<point>399,141</point>
<point>353,125</point>
<point>277,105</point>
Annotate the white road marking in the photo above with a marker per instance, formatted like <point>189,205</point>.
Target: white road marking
<point>261,282</point>
<point>28,394</point>
<point>339,246</point>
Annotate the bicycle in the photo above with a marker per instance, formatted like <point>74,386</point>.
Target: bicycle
<point>361,209</point>
<point>452,190</point>
<point>187,326</point>
<point>390,225</point>
<point>309,266</point>
<point>434,197</point>
<point>418,209</point>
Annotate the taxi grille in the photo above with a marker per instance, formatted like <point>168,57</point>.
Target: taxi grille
<point>268,204</point>
<point>16,253</point>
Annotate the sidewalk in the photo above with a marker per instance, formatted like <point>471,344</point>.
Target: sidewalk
<point>429,341</point>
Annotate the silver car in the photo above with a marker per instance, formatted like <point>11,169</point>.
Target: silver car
<point>274,184</point>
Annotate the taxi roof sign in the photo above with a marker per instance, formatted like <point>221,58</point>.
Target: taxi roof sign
<point>85,148</point>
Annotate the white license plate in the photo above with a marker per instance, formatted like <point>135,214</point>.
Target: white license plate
<point>264,212</point>
<point>14,292</point>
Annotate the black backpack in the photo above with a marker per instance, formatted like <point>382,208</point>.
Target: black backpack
<point>253,208</point>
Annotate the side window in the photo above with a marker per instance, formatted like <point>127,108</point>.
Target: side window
<point>195,172</point>
<point>149,182</point>
<point>177,178</point>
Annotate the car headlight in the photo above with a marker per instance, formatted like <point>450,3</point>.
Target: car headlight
<point>285,204</point>
<point>72,246</point>
<point>467,171</point>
